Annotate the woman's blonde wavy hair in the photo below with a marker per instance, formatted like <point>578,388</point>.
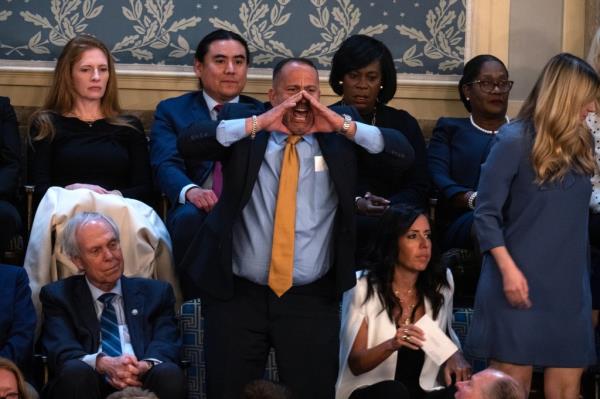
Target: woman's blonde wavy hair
<point>61,97</point>
<point>561,140</point>
<point>8,365</point>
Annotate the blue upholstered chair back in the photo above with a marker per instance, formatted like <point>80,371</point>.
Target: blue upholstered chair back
<point>191,324</point>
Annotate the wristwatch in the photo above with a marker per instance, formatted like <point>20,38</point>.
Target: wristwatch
<point>346,124</point>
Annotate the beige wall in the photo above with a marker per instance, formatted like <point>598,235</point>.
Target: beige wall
<point>535,36</point>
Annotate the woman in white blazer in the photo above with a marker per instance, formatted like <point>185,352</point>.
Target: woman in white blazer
<point>380,353</point>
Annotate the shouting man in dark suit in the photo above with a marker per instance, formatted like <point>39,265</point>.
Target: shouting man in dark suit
<point>102,331</point>
<point>193,186</point>
<point>274,256</point>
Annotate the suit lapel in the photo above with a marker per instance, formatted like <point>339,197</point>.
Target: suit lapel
<point>87,311</point>
<point>200,110</point>
<point>133,304</point>
<point>256,155</point>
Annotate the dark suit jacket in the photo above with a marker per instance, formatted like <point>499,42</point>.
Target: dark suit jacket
<point>71,328</point>
<point>10,151</point>
<point>172,115</point>
<point>412,186</point>
<point>17,315</point>
<point>208,261</point>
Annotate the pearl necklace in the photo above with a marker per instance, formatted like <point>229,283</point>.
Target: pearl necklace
<point>476,126</point>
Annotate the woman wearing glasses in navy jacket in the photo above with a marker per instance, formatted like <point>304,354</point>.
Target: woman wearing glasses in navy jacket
<point>459,146</point>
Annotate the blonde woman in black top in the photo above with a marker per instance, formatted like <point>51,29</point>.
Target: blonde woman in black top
<point>80,138</point>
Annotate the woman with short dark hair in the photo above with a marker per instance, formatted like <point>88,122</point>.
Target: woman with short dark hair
<point>363,73</point>
<point>459,146</point>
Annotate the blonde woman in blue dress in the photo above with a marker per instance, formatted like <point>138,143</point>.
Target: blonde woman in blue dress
<point>533,301</point>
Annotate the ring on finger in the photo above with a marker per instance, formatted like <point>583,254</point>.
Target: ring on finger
<point>405,337</point>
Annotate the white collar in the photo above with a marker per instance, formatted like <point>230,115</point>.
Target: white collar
<point>97,292</point>
<point>211,102</point>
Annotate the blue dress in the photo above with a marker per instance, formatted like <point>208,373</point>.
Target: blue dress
<point>544,229</point>
<point>455,154</point>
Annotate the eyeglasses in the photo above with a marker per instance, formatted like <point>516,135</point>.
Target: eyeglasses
<point>488,86</point>
<point>12,395</point>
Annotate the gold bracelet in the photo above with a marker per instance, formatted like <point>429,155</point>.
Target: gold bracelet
<point>254,127</point>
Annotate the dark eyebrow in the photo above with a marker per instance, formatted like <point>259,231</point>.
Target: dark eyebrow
<point>237,57</point>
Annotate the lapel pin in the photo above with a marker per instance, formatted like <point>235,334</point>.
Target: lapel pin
<point>134,312</point>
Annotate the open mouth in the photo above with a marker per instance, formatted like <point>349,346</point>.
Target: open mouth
<point>300,114</point>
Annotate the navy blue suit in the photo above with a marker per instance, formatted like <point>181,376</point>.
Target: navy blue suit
<point>243,319</point>
<point>71,327</point>
<point>172,173</point>
<point>17,316</point>
<point>455,155</point>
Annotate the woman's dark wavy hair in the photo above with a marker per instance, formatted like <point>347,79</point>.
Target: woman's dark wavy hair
<point>383,258</point>
<point>357,52</point>
<point>471,71</point>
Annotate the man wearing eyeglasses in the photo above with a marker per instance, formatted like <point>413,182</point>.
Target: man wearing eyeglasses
<point>459,146</point>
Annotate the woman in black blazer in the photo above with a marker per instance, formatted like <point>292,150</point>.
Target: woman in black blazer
<point>363,73</point>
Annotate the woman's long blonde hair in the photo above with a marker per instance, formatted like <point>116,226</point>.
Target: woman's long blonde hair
<point>561,140</point>
<point>6,364</point>
<point>61,99</point>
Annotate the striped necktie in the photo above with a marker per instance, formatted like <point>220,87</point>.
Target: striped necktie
<point>109,327</point>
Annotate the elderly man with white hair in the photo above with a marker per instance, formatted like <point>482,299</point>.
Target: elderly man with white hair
<point>102,331</point>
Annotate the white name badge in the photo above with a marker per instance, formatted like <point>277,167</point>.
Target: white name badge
<point>320,164</point>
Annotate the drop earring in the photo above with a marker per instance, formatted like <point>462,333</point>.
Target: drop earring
<point>381,87</point>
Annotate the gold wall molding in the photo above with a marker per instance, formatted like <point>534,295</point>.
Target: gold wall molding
<point>490,26</point>
<point>573,32</point>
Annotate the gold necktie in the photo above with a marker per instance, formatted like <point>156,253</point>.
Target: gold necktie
<point>284,226</point>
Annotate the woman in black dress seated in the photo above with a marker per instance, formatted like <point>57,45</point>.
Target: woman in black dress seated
<point>380,353</point>
<point>80,138</point>
<point>363,73</point>
<point>459,146</point>
<point>10,166</point>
